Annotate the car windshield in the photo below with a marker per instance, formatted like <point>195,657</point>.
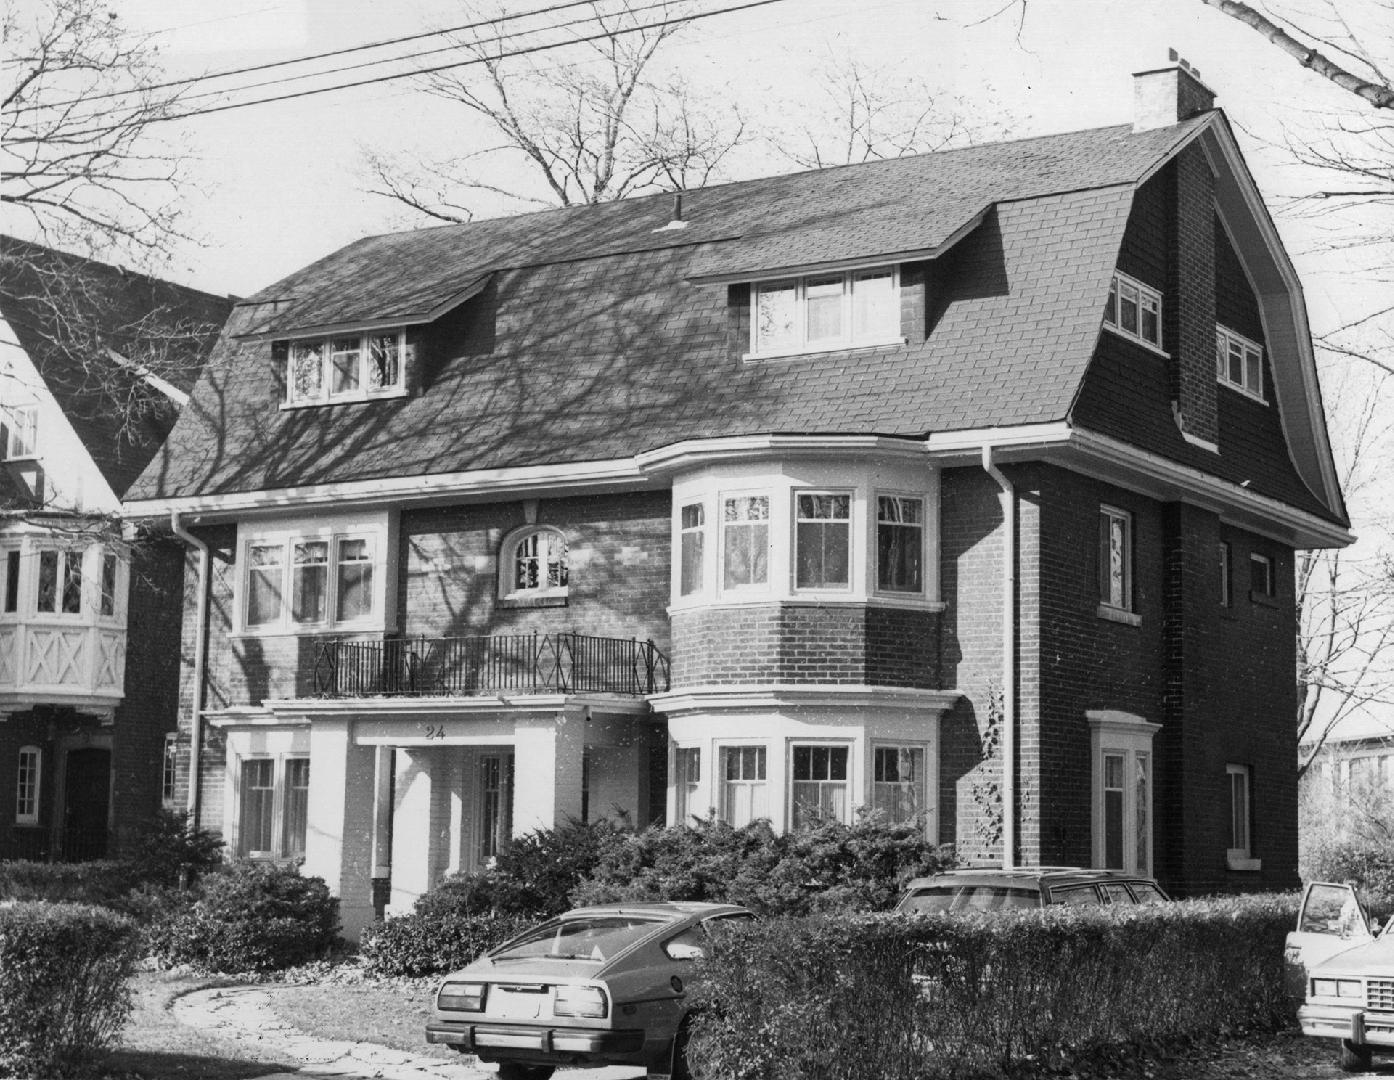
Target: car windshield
<point>591,937</point>
<point>970,898</point>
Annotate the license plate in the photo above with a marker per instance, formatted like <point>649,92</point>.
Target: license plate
<point>514,1005</point>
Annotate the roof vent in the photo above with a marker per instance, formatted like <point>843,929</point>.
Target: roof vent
<point>1169,95</point>
<point>677,222</point>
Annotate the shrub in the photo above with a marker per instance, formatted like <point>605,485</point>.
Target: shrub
<point>63,996</point>
<point>250,917</point>
<point>432,942</point>
<point>875,997</point>
<point>101,882</point>
<point>169,846</point>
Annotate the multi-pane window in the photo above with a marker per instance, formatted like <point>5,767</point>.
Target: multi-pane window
<point>745,540</point>
<point>1126,793</point>
<point>1239,362</point>
<point>692,548</point>
<point>825,311</point>
<point>687,784</point>
<point>495,804</point>
<point>822,541</point>
<point>899,544</point>
<point>60,582</point>
<point>273,811</point>
<point>27,779</point>
<point>898,789</point>
<point>288,581</point>
<point>818,789</point>
<point>1116,558</point>
<point>1240,840</point>
<point>21,431</point>
<point>1134,310</point>
<point>744,794</point>
<point>1261,578</point>
<point>349,368</point>
<point>538,564</point>
<point>169,769</point>
<point>1226,575</point>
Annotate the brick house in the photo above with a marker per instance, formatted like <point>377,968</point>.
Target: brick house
<point>810,493</point>
<point>89,616</point>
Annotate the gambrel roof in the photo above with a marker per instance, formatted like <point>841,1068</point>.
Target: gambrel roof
<point>593,334</point>
<point>80,322</point>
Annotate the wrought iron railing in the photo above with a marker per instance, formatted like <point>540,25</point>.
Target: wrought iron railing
<point>464,666</point>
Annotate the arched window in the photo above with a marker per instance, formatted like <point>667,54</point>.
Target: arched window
<point>533,564</point>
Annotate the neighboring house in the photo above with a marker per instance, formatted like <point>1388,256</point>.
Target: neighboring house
<point>89,612</point>
<point>789,497</point>
<point>1348,788</point>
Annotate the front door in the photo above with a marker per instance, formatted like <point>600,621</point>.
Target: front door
<point>86,803</point>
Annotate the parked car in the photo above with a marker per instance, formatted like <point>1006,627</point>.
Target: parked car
<point>602,985</point>
<point>1344,969</point>
<point>989,889</point>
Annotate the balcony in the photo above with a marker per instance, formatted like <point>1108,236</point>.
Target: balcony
<point>475,666</point>
<point>61,661</point>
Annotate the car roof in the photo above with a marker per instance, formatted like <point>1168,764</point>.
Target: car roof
<point>1024,876</point>
<point>663,909</point>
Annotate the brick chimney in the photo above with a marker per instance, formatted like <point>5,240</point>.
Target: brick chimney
<point>1169,95</point>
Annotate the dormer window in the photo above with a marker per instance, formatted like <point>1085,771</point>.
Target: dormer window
<point>1134,310</point>
<point>349,368</point>
<point>1239,362</point>
<point>21,432</point>
<point>839,310</point>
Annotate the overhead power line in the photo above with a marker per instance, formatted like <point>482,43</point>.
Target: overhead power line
<point>416,72</point>
<point>550,9</point>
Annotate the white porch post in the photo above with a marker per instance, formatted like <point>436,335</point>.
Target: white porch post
<point>413,835</point>
<point>338,835</point>
<point>547,771</point>
<point>382,813</point>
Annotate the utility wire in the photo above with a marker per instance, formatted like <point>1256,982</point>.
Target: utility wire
<point>192,79</point>
<point>418,72</point>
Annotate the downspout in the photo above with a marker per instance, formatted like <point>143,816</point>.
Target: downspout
<point>200,649</point>
<point>1009,561</point>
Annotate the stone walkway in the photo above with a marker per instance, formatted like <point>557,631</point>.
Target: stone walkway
<point>244,1014</point>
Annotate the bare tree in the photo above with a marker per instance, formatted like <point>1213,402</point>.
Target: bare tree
<point>78,99</point>
<point>599,128</point>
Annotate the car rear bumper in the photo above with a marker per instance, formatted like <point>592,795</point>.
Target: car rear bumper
<point>566,1044</point>
<point>1361,1026</point>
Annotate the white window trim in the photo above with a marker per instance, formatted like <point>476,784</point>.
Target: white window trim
<point>508,553</point>
<point>927,521</point>
<point>927,792</point>
<point>1241,858</point>
<point>89,596</point>
<point>848,341</point>
<point>279,791</point>
<point>14,450</point>
<point>31,816</point>
<point>854,555</point>
<point>702,785</point>
<point>706,530</point>
<point>285,624</point>
<point>1224,337</point>
<point>362,393</point>
<point>1114,732</point>
<point>757,588</point>
<point>1147,292</point>
<point>1127,610</point>
<point>719,781</point>
<point>790,745</point>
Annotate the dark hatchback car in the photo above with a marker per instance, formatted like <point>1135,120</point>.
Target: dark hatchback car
<point>990,889</point>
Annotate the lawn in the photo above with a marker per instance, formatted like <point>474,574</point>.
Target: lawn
<point>388,1015</point>
<point>155,1046</point>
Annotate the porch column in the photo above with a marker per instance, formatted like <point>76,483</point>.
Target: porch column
<point>339,829</point>
<point>547,771</point>
<point>414,842</point>
<point>382,818</point>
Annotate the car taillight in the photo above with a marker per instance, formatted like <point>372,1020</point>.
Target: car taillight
<point>580,1001</point>
<point>461,997</point>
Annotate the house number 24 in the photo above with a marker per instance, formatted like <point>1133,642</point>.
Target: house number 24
<point>434,731</point>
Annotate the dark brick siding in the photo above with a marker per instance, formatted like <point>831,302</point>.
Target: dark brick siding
<point>805,643</point>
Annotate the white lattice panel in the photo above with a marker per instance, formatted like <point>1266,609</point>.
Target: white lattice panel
<point>57,657</point>
<point>111,660</point>
<point>9,655</point>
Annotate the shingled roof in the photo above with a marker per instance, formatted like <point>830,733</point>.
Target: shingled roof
<point>590,336</point>
<point>70,314</point>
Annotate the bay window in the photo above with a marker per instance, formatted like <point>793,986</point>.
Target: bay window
<point>822,543</point>
<point>687,784</point>
<point>692,544</point>
<point>744,794</point>
<point>745,529</point>
<point>899,544</point>
<point>818,789</point>
<point>899,782</point>
<point>60,582</point>
<point>825,311</point>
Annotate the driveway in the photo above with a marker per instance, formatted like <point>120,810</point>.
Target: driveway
<point>243,1014</point>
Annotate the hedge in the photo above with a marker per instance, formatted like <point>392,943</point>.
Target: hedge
<point>428,943</point>
<point>63,994</point>
<point>887,997</point>
<point>101,882</point>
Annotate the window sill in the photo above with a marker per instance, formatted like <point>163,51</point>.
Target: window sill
<point>1263,599</point>
<point>885,602</point>
<point>345,630</point>
<point>1242,391</point>
<point>517,602</point>
<point>1119,332</point>
<point>821,350</point>
<point>1109,613</point>
<point>1237,861</point>
<point>359,399</point>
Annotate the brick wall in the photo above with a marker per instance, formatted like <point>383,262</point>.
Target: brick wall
<point>805,643</point>
<point>1191,288</point>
